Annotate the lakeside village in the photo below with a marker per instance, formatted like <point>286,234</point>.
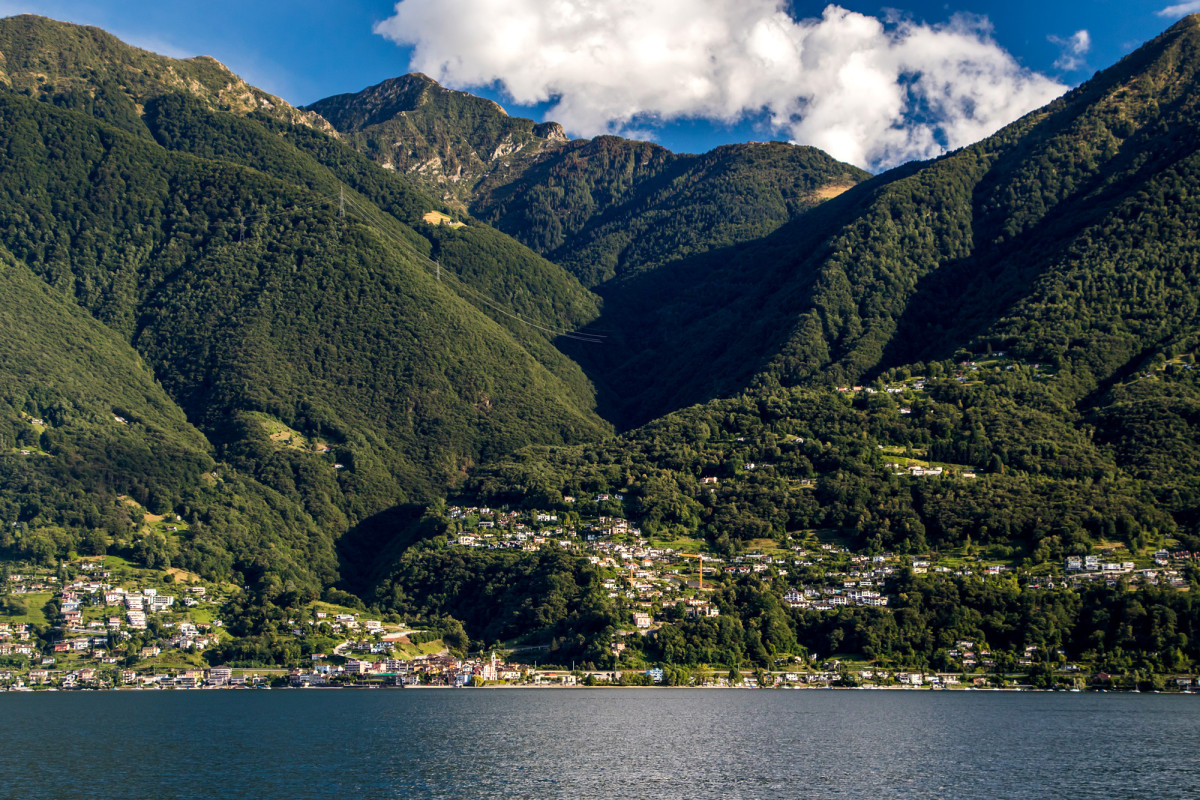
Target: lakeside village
<point>103,623</point>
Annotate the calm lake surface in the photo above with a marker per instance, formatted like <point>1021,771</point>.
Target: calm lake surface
<point>598,744</point>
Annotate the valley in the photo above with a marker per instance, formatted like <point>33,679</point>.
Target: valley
<point>399,356</point>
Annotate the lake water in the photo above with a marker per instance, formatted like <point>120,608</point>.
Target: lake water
<point>606,743</point>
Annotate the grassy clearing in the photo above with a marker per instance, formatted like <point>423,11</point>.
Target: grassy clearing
<point>429,648</point>
<point>408,650</point>
<point>201,616</point>
<point>831,190</point>
<point>330,609</point>
<point>898,450</point>
<point>438,218</point>
<point>849,661</point>
<point>173,659</point>
<point>683,545</point>
<point>183,576</point>
<point>825,536</point>
<point>283,436</point>
<point>768,547</point>
<point>33,603</point>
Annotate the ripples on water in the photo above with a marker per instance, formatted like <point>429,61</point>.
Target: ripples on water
<point>598,744</point>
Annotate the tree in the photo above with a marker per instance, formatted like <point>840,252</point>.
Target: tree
<point>454,636</point>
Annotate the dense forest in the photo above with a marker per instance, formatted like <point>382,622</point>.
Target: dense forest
<point>611,207</point>
<point>283,293</point>
<point>600,208</point>
<point>306,350</point>
<point>1066,238</point>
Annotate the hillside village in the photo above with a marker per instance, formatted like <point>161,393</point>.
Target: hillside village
<point>824,575</point>
<point>940,423</point>
<point>103,622</point>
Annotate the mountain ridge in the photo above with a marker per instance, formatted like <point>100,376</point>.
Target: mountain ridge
<point>73,66</point>
<point>401,124</point>
<point>932,247</point>
<point>599,207</point>
<point>273,279</point>
<point>989,355</point>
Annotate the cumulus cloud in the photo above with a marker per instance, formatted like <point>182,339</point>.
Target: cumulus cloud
<point>869,91</point>
<point>1074,48</point>
<point>1181,9</point>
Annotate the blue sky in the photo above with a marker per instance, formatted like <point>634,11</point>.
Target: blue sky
<point>691,84</point>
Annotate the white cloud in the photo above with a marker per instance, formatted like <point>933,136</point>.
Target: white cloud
<point>1181,10</point>
<point>1074,48</point>
<point>867,91</point>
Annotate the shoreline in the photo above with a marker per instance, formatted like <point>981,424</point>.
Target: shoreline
<point>549,687</point>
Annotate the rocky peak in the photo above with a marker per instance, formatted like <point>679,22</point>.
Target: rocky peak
<point>550,130</point>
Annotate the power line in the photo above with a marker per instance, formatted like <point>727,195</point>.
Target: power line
<point>569,334</point>
<point>380,222</point>
<point>373,216</point>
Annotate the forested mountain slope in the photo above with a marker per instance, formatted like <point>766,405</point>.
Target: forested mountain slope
<point>282,290</point>
<point>90,444</point>
<point>87,69</point>
<point>599,208</point>
<point>988,357</point>
<point>611,206</point>
<point>178,103</point>
<point>533,298</point>
<point>1065,238</point>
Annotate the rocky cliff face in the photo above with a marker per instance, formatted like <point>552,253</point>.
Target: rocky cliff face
<point>550,130</point>
<point>449,140</point>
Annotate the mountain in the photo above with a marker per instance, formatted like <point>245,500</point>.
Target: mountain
<point>214,307</point>
<point>89,70</point>
<point>306,312</point>
<point>613,207</point>
<point>986,357</point>
<point>91,445</point>
<point>598,207</point>
<point>1059,238</point>
<point>448,140</point>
